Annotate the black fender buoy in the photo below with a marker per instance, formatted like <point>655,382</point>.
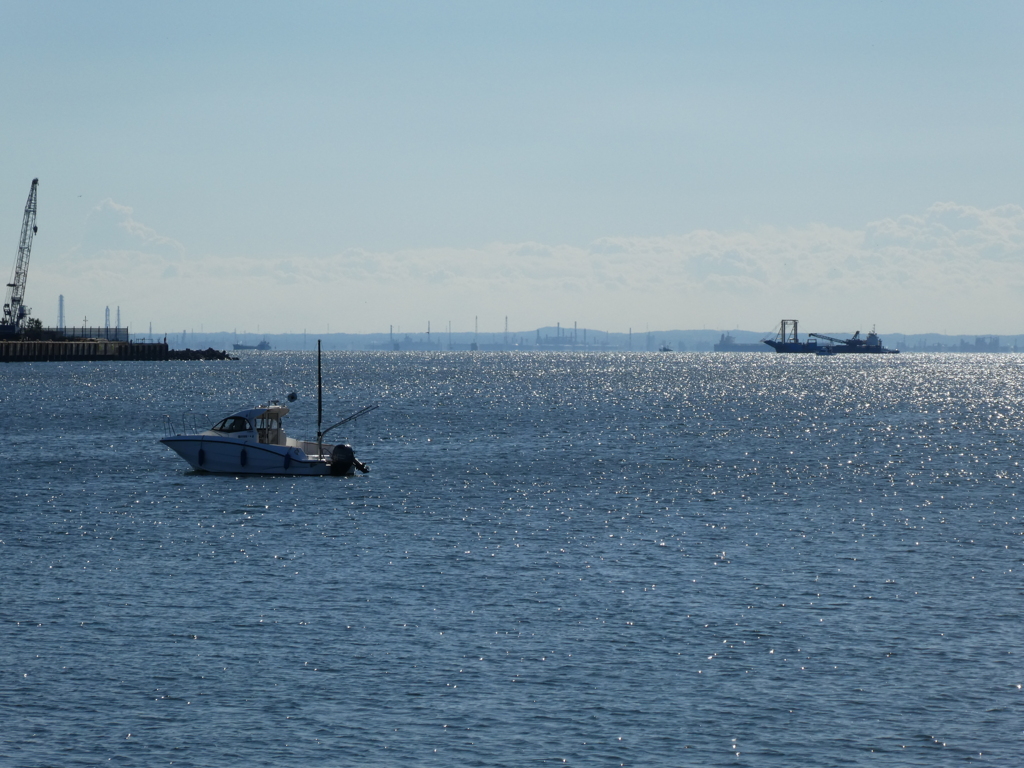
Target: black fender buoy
<point>342,459</point>
<point>202,457</point>
<point>243,458</point>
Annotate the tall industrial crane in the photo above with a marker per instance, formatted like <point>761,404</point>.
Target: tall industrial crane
<point>15,310</point>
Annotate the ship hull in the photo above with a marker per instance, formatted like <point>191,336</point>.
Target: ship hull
<point>793,347</point>
<point>225,455</point>
<point>840,350</point>
<point>809,347</point>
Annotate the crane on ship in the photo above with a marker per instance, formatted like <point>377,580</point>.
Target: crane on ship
<point>854,341</point>
<point>872,344</point>
<point>15,311</point>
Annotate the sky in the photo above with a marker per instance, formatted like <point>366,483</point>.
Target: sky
<point>645,165</point>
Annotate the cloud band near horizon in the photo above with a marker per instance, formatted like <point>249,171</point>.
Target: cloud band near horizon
<point>952,268</point>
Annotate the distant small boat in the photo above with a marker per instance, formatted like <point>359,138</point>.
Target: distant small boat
<point>665,348</point>
<point>825,351</point>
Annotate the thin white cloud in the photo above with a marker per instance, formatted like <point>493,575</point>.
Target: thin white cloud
<point>111,228</point>
<point>952,267</point>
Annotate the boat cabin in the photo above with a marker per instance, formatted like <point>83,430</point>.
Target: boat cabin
<point>262,425</point>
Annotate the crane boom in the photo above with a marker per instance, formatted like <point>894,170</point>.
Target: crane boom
<point>854,340</point>
<point>15,310</point>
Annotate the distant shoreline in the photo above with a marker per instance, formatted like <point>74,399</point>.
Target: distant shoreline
<point>555,338</point>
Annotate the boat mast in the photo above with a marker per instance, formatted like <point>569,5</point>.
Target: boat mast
<point>319,403</point>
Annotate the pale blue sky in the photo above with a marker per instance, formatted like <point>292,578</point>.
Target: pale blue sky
<point>617,164</point>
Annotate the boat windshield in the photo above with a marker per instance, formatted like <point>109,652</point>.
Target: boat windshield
<point>233,424</point>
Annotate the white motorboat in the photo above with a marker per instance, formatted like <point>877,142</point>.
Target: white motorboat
<point>254,442</point>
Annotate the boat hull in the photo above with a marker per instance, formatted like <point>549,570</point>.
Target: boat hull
<point>225,455</point>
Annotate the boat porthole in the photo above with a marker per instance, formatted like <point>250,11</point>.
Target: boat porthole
<point>202,457</point>
<point>287,461</point>
<point>244,458</point>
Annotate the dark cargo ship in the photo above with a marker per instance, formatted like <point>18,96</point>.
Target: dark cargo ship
<point>263,346</point>
<point>788,341</point>
<point>727,343</point>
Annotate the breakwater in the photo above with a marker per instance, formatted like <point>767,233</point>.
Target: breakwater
<point>199,354</point>
<point>80,350</point>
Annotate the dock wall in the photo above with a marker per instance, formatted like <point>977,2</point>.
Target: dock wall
<point>86,350</point>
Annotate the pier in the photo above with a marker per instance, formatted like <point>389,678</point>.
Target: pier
<point>80,350</point>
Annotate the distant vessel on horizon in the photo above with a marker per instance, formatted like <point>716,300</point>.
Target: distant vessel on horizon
<point>729,344</point>
<point>263,346</point>
<point>788,341</point>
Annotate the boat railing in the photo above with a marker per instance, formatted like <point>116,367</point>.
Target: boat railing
<point>186,424</point>
<point>312,448</point>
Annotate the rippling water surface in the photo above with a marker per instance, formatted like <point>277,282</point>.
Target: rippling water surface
<point>557,559</point>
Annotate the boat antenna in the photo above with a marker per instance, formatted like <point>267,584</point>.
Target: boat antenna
<point>319,403</point>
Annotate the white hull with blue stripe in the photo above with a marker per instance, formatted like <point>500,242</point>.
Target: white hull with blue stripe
<point>254,442</point>
<point>215,453</point>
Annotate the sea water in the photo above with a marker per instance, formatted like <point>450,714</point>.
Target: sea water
<point>557,559</point>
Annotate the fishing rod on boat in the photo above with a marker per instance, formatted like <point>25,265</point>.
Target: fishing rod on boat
<point>361,412</point>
